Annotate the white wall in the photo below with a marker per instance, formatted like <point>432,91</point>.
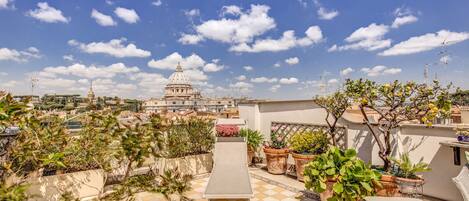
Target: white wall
<point>419,140</point>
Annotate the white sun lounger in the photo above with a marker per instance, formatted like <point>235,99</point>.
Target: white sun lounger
<point>230,176</point>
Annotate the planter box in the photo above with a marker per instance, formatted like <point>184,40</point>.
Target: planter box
<point>83,185</point>
<point>194,164</point>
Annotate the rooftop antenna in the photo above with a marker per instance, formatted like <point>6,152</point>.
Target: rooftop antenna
<point>34,81</point>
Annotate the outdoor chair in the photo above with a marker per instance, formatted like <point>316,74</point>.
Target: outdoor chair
<point>462,182</point>
<point>230,175</point>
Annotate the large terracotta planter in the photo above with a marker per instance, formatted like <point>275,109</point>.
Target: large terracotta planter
<point>276,160</point>
<point>409,186</point>
<point>193,165</point>
<point>388,188</point>
<point>300,162</point>
<point>83,185</point>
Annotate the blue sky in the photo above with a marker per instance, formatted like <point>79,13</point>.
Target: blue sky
<point>263,49</point>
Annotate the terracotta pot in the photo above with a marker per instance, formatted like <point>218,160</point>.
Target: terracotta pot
<point>328,192</point>
<point>276,160</point>
<point>409,186</point>
<point>388,188</point>
<point>250,156</point>
<point>300,162</point>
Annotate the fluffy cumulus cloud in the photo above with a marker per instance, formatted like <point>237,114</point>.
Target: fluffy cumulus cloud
<point>291,80</point>
<point>287,41</point>
<point>369,38</point>
<point>380,70</point>
<point>127,15</point>
<point>213,67</point>
<point>346,71</point>
<point>264,80</point>
<point>274,88</point>
<point>241,78</point>
<point>242,87</point>
<point>190,39</point>
<point>403,20</point>
<point>192,13</point>
<point>325,14</point>
<point>102,19</point>
<point>244,28</point>
<point>68,57</point>
<point>157,3</point>
<point>292,60</point>
<point>248,68</point>
<point>5,4</point>
<point>151,83</point>
<point>115,48</point>
<point>231,10</point>
<point>90,72</point>
<point>426,42</point>
<point>47,13</point>
<point>19,55</point>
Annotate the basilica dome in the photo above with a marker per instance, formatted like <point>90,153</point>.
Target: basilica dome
<point>178,77</point>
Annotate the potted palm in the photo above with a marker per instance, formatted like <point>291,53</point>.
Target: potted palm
<point>406,174</point>
<point>305,146</point>
<point>276,153</point>
<point>254,139</point>
<point>340,175</point>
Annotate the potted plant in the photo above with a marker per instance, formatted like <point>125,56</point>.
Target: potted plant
<point>276,152</point>
<point>406,176</point>
<point>305,146</point>
<point>254,140</point>
<point>340,175</point>
<point>462,135</point>
<point>227,130</point>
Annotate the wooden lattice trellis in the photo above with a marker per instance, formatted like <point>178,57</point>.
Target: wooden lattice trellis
<point>288,129</point>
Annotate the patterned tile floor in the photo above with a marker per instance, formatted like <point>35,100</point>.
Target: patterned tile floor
<point>263,191</point>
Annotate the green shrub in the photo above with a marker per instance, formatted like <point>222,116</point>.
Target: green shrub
<point>354,179</point>
<point>254,138</point>
<point>311,142</point>
<point>405,168</point>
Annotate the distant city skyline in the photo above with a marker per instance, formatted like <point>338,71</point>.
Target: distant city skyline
<point>261,49</point>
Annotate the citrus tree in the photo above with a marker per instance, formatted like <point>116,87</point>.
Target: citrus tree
<point>335,105</point>
<point>395,103</point>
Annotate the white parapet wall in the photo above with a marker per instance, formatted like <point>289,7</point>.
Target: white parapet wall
<point>420,141</point>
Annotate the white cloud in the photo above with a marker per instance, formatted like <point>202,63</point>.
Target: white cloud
<point>192,13</point>
<point>213,67</point>
<point>264,80</point>
<point>445,59</point>
<point>274,88</point>
<point>248,25</point>
<point>68,57</point>
<point>287,41</point>
<point>276,65</point>
<point>292,60</point>
<point>399,21</point>
<point>190,39</point>
<point>114,47</point>
<point>150,82</point>
<point>325,14</point>
<point>243,87</point>
<point>19,56</point>
<point>248,68</point>
<point>128,15</point>
<point>170,62</point>
<point>231,10</point>
<point>56,82</point>
<point>332,81</point>
<point>157,3</point>
<point>291,80</point>
<point>5,4</point>
<point>369,38</point>
<point>241,78</point>
<point>48,14</point>
<point>89,72</point>
<point>346,71</point>
<point>102,19</point>
<point>9,84</point>
<point>380,70</point>
<point>426,42</point>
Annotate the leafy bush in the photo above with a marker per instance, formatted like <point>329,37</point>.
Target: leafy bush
<point>254,138</point>
<point>226,130</point>
<point>353,178</point>
<point>311,142</point>
<point>189,137</point>
<point>405,168</point>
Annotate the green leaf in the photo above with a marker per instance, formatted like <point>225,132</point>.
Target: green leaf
<point>338,188</point>
<point>366,186</point>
